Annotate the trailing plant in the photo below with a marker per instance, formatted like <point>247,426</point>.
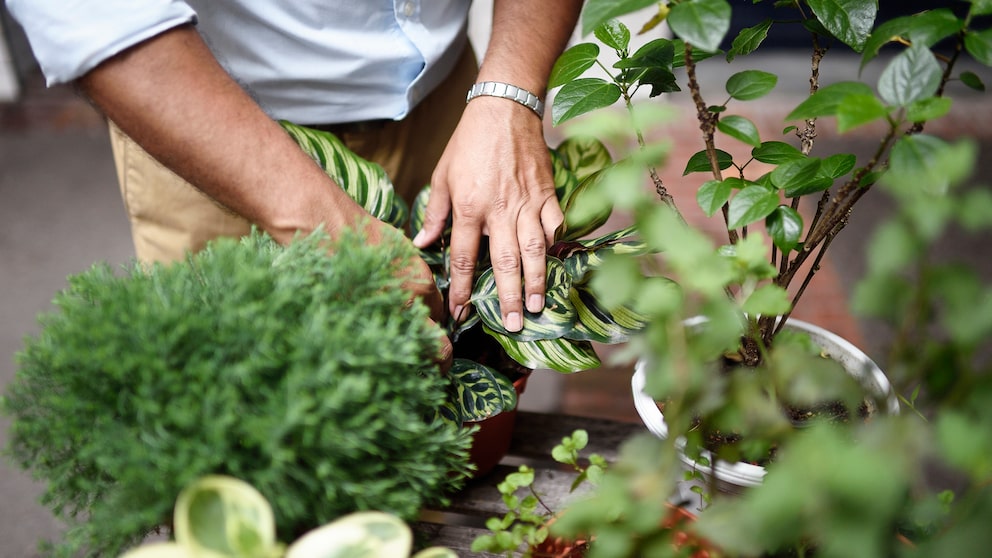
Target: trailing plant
<point>526,524</point>
<point>561,337</point>
<point>224,517</point>
<point>781,206</point>
<point>250,360</point>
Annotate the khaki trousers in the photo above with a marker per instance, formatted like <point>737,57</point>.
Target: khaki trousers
<point>169,217</point>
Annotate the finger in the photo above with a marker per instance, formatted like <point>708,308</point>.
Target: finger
<point>445,352</point>
<point>551,218</point>
<point>464,253</point>
<point>505,255</point>
<point>435,217</point>
<point>532,255</point>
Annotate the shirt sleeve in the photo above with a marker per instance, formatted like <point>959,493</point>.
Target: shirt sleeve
<point>70,38</point>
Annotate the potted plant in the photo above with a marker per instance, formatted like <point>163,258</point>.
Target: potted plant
<point>250,360</point>
<point>491,364</point>
<point>225,517</point>
<point>745,290</point>
<point>731,370</point>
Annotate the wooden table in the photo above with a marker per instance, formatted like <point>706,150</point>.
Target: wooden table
<point>534,436</point>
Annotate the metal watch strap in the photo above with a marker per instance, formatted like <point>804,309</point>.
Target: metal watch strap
<point>507,91</point>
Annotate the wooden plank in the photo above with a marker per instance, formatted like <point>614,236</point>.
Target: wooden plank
<point>536,434</point>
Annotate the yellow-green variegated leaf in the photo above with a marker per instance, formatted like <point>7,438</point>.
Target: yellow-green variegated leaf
<point>364,534</point>
<point>584,156</point>
<point>479,391</point>
<point>364,181</point>
<point>219,516</point>
<point>554,321</point>
<point>565,180</point>
<point>601,325</point>
<point>563,355</point>
<point>581,261</point>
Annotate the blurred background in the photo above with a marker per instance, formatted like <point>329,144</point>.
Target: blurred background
<point>60,212</point>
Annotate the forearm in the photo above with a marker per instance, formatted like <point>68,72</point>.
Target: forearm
<point>171,96</point>
<point>527,38</point>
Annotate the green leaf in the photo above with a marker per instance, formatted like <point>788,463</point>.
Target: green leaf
<point>927,109</point>
<point>851,21</point>
<point>767,300</point>
<point>563,355</point>
<point>364,181</point>
<point>479,391</point>
<point>739,128</point>
<point>701,23</point>
<point>925,28</point>
<point>928,164</point>
<point>697,55</point>
<point>700,162</point>
<point>613,34</point>
<point>582,259</point>
<point>207,510</point>
<point>750,84</point>
<point>713,195</point>
<point>587,209</point>
<point>751,204</point>
<point>600,325</point>
<point>554,321</point>
<point>565,180</point>
<point>597,12</point>
<point>979,45</point>
<point>776,153</point>
<point>797,177</point>
<point>912,75</point>
<point>749,39</point>
<point>785,226</point>
<point>857,110</point>
<point>580,96</point>
<point>573,63</point>
<point>826,100</point>
<point>980,7</point>
<point>584,156</point>
<point>972,80</point>
<point>837,165</point>
<point>652,65</point>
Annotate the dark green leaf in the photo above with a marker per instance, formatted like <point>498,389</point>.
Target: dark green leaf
<point>587,209</point>
<point>573,63</point>
<point>776,153</point>
<point>857,110</point>
<point>750,84</point>
<point>837,165</point>
<point>751,204</point>
<point>565,180</point>
<point>598,12</point>
<point>700,162</point>
<point>701,23</point>
<point>793,174</point>
<point>785,226</point>
<point>652,65</point>
<point>926,28</point>
<point>613,34</point>
<point>580,96</point>
<point>980,7</point>
<point>739,128</point>
<point>850,21</point>
<point>712,196</point>
<point>480,391</point>
<point>979,45</point>
<point>972,80</point>
<point>554,321</point>
<point>749,39</point>
<point>930,108</point>
<point>826,100</point>
<point>598,324</point>
<point>563,355</point>
<point>912,75</point>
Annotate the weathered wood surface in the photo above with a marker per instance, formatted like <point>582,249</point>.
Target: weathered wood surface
<point>534,436</point>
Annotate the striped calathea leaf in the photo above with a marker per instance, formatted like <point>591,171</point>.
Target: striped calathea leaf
<point>556,320</point>
<point>364,181</point>
<point>563,355</point>
<point>598,324</point>
<point>582,256</point>
<point>479,392</point>
<point>578,165</point>
<point>584,156</point>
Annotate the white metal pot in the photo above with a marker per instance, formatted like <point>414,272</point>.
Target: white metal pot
<point>734,478</point>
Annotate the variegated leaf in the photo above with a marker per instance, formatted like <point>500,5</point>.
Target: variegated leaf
<point>584,155</point>
<point>584,210</point>
<point>581,260</point>
<point>480,391</point>
<point>554,321</point>
<point>563,355</point>
<point>364,181</point>
<point>601,325</point>
<point>565,180</point>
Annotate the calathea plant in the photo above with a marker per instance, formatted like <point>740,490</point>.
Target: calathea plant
<point>561,336</point>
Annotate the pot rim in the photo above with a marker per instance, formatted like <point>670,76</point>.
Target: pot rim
<point>858,364</point>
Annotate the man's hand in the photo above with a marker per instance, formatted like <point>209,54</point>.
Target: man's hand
<point>495,178</point>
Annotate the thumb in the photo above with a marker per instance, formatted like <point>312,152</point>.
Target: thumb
<point>435,218</point>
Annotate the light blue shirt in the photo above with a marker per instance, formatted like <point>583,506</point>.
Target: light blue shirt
<point>308,61</point>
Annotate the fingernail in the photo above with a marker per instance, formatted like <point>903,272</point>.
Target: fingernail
<point>419,238</point>
<point>535,303</point>
<point>513,322</point>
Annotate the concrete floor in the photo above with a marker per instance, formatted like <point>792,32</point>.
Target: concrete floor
<point>60,212</point>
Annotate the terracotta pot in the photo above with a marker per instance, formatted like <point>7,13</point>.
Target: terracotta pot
<point>492,441</point>
<point>559,547</point>
<point>734,478</point>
